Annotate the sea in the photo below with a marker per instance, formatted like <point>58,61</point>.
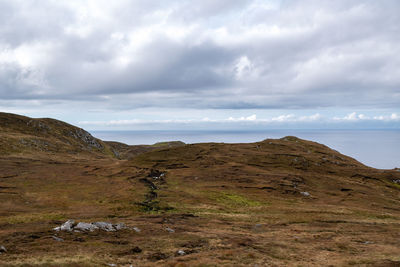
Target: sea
<point>375,148</point>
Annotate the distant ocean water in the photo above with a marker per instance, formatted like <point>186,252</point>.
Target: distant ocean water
<point>375,148</point>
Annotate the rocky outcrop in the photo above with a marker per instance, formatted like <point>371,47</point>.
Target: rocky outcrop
<point>85,137</point>
<point>70,226</point>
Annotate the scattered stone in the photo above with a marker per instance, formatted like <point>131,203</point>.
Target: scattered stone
<point>86,227</point>
<point>108,227</point>
<point>57,238</point>
<point>136,229</point>
<point>3,249</point>
<point>396,181</point>
<point>181,252</point>
<point>67,226</point>
<point>306,194</point>
<point>170,230</point>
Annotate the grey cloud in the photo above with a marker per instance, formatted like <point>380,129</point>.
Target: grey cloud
<point>302,54</point>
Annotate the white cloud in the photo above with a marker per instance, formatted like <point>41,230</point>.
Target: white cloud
<point>249,118</point>
<point>354,116</point>
<point>283,118</point>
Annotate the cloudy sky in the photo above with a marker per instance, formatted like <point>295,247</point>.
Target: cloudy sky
<point>143,64</point>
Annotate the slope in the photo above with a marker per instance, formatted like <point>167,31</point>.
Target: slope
<point>278,202</point>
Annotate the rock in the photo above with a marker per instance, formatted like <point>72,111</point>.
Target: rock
<point>108,227</point>
<point>136,229</point>
<point>306,194</point>
<point>85,137</point>
<point>3,249</point>
<point>170,230</point>
<point>181,252</point>
<point>396,181</point>
<point>67,226</point>
<point>120,226</point>
<point>57,238</point>
<point>112,265</point>
<point>82,226</point>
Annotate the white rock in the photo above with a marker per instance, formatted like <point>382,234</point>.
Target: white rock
<point>170,230</point>
<point>181,252</point>
<point>136,229</point>
<point>306,194</point>
<point>104,226</point>
<point>86,227</point>
<point>119,226</point>
<point>67,226</point>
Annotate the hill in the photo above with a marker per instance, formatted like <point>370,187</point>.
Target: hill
<point>277,202</point>
<point>20,134</point>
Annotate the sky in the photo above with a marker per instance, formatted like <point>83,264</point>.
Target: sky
<point>209,64</point>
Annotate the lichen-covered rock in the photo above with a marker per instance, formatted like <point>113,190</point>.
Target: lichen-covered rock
<point>119,226</point>
<point>67,226</point>
<point>86,138</point>
<point>70,225</point>
<point>105,226</point>
<point>86,227</point>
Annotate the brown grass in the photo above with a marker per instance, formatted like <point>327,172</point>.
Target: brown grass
<point>229,204</point>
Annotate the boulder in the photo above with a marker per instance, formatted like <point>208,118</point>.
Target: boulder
<point>120,226</point>
<point>82,226</point>
<point>2,249</point>
<point>85,227</point>
<point>108,227</point>
<point>67,226</point>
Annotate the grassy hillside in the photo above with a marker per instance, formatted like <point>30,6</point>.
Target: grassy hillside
<point>278,202</point>
<point>20,134</point>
